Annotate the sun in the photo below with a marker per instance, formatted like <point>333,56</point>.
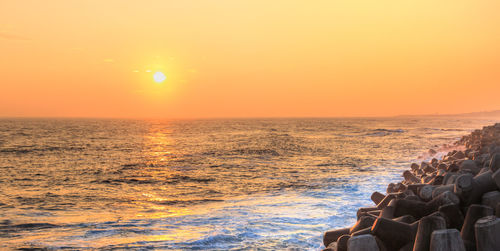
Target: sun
<point>159,77</point>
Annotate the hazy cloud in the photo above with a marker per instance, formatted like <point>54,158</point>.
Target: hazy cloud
<point>10,36</point>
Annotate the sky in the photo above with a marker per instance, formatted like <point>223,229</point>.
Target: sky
<point>94,58</point>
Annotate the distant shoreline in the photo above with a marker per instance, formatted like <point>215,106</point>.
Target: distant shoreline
<point>485,114</point>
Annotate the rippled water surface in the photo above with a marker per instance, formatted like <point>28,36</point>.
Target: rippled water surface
<point>200,184</point>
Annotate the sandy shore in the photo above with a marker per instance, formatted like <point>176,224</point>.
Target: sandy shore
<point>452,203</point>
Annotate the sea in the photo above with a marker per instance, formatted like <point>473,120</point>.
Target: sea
<point>211,184</point>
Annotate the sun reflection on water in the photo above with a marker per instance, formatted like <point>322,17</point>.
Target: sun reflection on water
<point>158,145</point>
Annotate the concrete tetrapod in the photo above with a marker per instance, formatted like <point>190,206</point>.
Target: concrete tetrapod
<point>385,201</point>
<point>495,162</point>
<point>474,213</point>
<point>425,192</point>
<point>394,234</point>
<point>362,223</point>
<point>377,197</point>
<point>453,216</point>
<point>425,228</point>
<point>471,189</point>
<point>342,242</point>
<point>364,242</point>
<point>333,235</point>
<point>419,209</point>
<point>488,233</point>
<point>446,240</point>
<point>491,199</point>
<point>441,189</point>
<point>497,210</point>
<point>362,211</point>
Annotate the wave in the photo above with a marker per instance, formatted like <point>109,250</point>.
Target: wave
<point>170,180</point>
<point>185,202</point>
<point>127,181</point>
<point>215,241</point>
<point>25,149</point>
<point>249,151</point>
<point>337,164</point>
<point>453,130</point>
<point>181,178</point>
<point>26,226</point>
<point>384,132</point>
<point>130,165</point>
<point>389,130</point>
<point>374,132</point>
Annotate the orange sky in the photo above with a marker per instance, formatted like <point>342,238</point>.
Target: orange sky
<point>88,58</point>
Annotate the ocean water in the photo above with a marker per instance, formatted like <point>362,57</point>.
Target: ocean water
<point>239,184</point>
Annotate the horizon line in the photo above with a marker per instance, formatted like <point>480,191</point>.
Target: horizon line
<point>475,114</point>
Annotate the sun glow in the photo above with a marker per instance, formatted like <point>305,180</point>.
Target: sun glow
<point>159,77</point>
